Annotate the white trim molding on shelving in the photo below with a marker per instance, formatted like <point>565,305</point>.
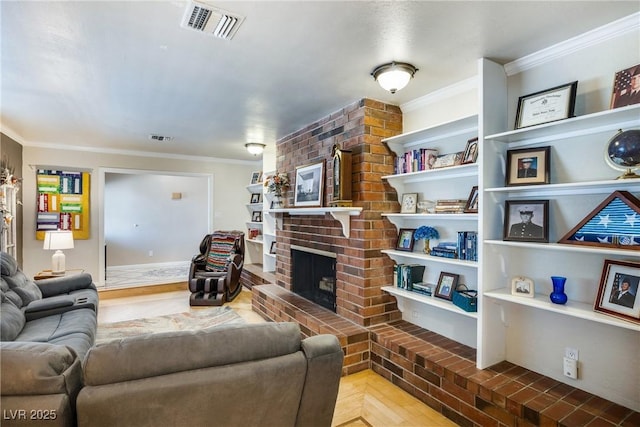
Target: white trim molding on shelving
<point>463,86</point>
<point>567,47</point>
<point>572,308</point>
<point>428,300</point>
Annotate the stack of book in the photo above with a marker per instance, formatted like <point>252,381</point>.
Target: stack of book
<point>445,250</point>
<point>415,160</point>
<point>422,288</point>
<point>405,275</point>
<point>450,206</point>
<point>467,245</point>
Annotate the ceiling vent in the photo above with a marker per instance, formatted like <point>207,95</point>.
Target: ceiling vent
<point>160,138</point>
<point>211,20</point>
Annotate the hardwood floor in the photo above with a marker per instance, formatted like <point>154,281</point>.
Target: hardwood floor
<point>364,398</point>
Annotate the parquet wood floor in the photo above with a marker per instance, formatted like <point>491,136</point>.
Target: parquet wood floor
<point>365,399</point>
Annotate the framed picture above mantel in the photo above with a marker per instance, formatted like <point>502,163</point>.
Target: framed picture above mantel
<point>309,186</point>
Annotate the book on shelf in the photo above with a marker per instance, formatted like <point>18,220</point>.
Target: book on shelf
<point>450,206</point>
<point>467,245</point>
<point>405,275</point>
<point>444,253</point>
<point>423,288</point>
<point>415,160</point>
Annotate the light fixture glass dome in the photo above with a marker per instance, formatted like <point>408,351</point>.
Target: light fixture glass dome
<point>394,75</point>
<point>255,148</point>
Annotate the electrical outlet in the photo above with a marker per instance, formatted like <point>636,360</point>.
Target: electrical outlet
<point>150,253</point>
<point>571,353</point>
<point>570,368</point>
<point>415,314</point>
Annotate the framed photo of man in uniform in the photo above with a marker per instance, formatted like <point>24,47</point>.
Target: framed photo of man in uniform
<point>626,87</point>
<point>528,166</point>
<point>618,292</point>
<point>526,221</point>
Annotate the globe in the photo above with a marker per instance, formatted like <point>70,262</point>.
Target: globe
<point>623,152</point>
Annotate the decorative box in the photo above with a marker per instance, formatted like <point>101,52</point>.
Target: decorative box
<point>466,300</point>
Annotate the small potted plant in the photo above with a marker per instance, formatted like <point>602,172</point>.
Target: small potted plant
<point>426,233</point>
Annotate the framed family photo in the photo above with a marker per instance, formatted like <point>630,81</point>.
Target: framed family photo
<point>472,201</point>
<point>309,185</point>
<point>405,239</point>
<point>618,292</point>
<point>550,105</point>
<point>522,287</point>
<point>256,177</point>
<point>471,151</point>
<point>447,283</point>
<point>528,166</point>
<point>255,198</point>
<point>526,220</point>
<point>256,216</point>
<point>626,87</point>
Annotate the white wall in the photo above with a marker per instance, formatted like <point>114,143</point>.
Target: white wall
<point>144,224</point>
<point>229,197</point>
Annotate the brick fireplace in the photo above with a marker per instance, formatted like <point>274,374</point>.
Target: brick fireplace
<point>361,270</point>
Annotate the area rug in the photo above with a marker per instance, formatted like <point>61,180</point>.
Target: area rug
<point>190,320</point>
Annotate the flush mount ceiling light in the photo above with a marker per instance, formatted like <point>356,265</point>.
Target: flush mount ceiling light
<point>255,148</point>
<point>394,75</point>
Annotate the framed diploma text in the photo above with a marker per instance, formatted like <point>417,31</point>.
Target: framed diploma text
<point>549,105</point>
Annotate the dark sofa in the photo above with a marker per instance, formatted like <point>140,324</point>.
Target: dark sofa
<point>47,328</point>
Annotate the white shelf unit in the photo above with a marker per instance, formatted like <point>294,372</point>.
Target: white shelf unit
<point>533,332</point>
<point>436,314</point>
<point>254,249</point>
<point>8,208</point>
<point>269,230</point>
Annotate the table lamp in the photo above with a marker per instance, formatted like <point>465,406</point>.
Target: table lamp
<point>58,240</point>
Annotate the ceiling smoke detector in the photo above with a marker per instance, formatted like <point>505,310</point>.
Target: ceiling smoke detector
<point>211,20</point>
<point>160,138</point>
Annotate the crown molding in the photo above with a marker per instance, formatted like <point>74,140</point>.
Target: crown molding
<point>440,94</point>
<point>6,130</point>
<point>138,153</point>
<point>574,44</point>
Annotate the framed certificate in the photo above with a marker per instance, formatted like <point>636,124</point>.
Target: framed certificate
<point>549,105</point>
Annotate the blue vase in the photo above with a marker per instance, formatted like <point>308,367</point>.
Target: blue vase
<point>558,296</point>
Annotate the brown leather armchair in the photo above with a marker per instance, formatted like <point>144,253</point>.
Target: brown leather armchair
<point>214,276</point>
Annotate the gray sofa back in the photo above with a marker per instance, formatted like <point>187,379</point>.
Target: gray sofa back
<point>237,375</point>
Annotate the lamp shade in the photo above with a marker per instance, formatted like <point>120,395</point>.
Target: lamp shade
<point>59,239</point>
<point>394,75</point>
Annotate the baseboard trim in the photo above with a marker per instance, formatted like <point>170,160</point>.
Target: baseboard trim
<point>135,291</point>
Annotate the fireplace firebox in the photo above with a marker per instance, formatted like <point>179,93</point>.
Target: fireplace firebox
<point>314,275</point>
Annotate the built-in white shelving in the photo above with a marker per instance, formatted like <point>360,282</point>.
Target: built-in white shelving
<point>400,255</point>
<point>428,300</point>
<point>572,308</point>
<point>449,137</point>
<point>533,332</point>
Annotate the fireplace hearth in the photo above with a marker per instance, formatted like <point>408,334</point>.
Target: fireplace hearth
<point>314,275</point>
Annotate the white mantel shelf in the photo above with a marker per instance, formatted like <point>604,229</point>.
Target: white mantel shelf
<point>340,214</point>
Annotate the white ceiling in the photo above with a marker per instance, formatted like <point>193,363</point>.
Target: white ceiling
<point>107,74</point>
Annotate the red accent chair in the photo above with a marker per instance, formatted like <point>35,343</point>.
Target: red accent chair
<point>214,276</point>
